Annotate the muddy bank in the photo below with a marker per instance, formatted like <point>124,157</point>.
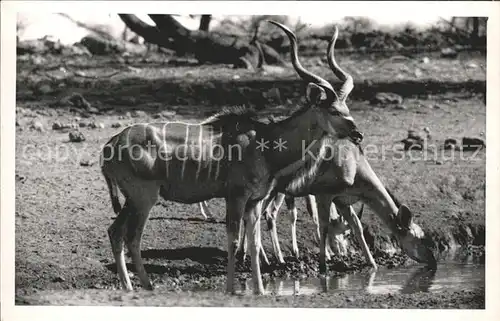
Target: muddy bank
<point>444,300</point>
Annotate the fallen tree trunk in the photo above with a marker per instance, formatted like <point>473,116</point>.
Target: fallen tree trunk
<point>207,47</point>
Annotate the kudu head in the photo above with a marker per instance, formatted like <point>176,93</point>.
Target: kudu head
<point>333,114</point>
<point>412,238</point>
<point>414,242</point>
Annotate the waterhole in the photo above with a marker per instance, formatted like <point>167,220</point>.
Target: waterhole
<point>455,275</point>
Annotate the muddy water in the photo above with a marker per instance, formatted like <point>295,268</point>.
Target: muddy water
<point>455,275</point>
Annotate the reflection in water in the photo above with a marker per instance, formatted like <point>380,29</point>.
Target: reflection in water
<point>462,275</point>
<point>420,281</point>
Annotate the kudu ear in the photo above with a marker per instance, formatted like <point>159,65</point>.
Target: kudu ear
<point>244,139</point>
<point>315,93</point>
<point>405,216</point>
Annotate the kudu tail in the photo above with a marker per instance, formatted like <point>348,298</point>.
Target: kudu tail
<point>113,193</point>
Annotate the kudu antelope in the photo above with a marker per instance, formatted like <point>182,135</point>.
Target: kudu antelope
<point>145,161</point>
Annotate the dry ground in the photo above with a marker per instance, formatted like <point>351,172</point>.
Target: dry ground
<point>63,209</point>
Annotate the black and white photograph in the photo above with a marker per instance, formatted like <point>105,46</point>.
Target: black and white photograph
<point>197,158</point>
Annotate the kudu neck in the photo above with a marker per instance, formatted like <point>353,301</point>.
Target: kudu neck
<point>296,133</point>
<point>375,195</point>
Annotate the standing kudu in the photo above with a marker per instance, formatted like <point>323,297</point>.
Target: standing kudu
<point>145,161</point>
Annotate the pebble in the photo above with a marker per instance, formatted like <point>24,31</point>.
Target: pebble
<point>57,125</point>
<point>38,126</point>
<point>86,163</point>
<point>58,279</point>
<point>139,113</point>
<point>76,137</point>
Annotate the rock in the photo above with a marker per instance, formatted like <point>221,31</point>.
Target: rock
<point>96,125</point>
<point>20,178</point>
<point>57,126</point>
<point>37,125</point>
<point>76,137</point>
<point>86,163</point>
<point>449,53</point>
<point>100,46</point>
<point>93,110</point>
<point>58,279</point>
<point>450,143</point>
<point>418,73</point>
<point>129,101</point>
<point>400,107</point>
<point>425,60</point>
<point>78,101</point>
<point>386,98</point>
<point>44,89</point>
<point>472,144</point>
<point>168,114</point>
<point>139,113</point>
<point>412,144</point>
<point>413,135</point>
<point>116,125</point>
<point>76,50</point>
<point>472,65</point>
<point>236,77</point>
<point>82,124</point>
<point>273,94</point>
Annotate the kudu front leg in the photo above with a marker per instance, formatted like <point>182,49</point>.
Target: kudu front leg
<point>352,219</point>
<point>324,202</point>
<point>312,209</point>
<point>272,220</point>
<point>290,204</point>
<point>242,248</point>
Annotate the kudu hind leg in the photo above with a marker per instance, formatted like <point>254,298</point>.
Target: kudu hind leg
<point>234,224</point>
<point>242,247</point>
<point>312,209</point>
<point>253,232</point>
<point>116,233</point>
<point>290,203</point>
<point>138,217</point>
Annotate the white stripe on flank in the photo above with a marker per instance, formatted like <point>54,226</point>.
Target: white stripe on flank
<point>210,155</point>
<point>165,148</point>
<point>200,143</point>
<point>185,148</point>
